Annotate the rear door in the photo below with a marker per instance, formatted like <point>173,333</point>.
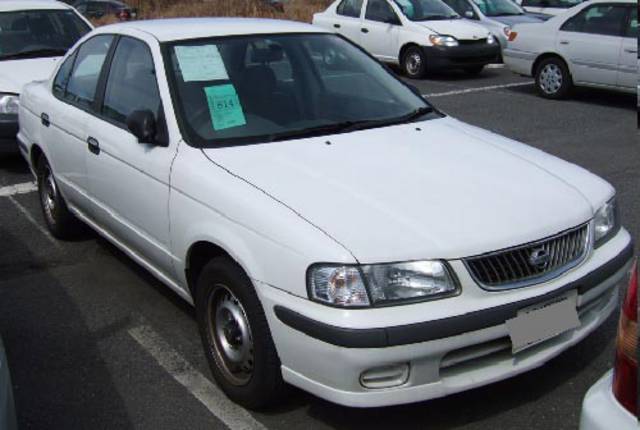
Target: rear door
<point>591,41</point>
<point>65,124</point>
<point>348,19</point>
<point>130,180</point>
<point>379,31</point>
<point>628,70</point>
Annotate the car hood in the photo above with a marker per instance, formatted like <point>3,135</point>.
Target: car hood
<point>459,28</point>
<point>14,74</point>
<point>516,19</point>
<point>436,189</point>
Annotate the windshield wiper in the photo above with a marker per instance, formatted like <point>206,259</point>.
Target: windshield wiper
<point>348,126</point>
<point>438,17</point>
<point>507,14</point>
<point>48,52</point>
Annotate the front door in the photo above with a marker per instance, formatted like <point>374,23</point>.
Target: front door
<point>130,180</point>
<point>380,30</point>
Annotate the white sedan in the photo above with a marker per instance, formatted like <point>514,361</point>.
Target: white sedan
<point>548,7</point>
<point>594,44</point>
<point>612,402</point>
<point>34,35</point>
<point>332,228</point>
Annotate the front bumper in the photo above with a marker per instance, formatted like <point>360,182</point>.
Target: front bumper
<point>8,132</point>
<point>325,351</point>
<point>601,410</point>
<point>461,56</point>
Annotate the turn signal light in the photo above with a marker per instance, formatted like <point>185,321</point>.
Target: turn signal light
<point>512,35</point>
<point>625,371</point>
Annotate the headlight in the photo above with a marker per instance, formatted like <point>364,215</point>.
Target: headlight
<point>506,31</point>
<point>9,104</point>
<point>442,40</point>
<point>605,222</point>
<point>491,39</point>
<point>380,284</point>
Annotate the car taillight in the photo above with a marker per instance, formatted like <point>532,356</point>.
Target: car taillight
<point>512,35</point>
<point>625,372</point>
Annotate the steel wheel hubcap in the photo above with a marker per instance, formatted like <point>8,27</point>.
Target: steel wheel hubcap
<point>413,63</point>
<point>232,338</point>
<point>551,78</point>
<point>49,194</point>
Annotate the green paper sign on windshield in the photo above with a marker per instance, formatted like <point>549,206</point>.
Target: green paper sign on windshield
<point>224,107</point>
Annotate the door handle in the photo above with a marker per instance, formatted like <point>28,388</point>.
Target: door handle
<point>364,30</point>
<point>564,42</point>
<point>44,118</point>
<point>631,50</point>
<point>94,145</point>
<point>336,25</point>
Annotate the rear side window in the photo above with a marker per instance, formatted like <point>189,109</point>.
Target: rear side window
<point>62,78</point>
<point>350,8</point>
<point>132,83</point>
<point>606,20</point>
<point>81,89</point>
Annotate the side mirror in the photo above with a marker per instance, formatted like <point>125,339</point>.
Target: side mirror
<point>469,14</point>
<point>142,124</point>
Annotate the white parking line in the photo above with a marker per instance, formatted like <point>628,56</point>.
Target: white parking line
<point>232,415</point>
<point>479,89</point>
<point>32,220</point>
<point>23,188</point>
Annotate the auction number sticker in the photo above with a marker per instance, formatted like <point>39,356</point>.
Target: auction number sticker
<point>224,107</point>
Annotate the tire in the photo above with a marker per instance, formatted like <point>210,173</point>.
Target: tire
<point>414,63</point>
<point>553,80</point>
<point>60,221</point>
<point>236,336</point>
<point>475,70</point>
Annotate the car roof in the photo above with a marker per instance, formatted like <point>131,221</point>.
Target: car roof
<point>166,30</point>
<point>15,5</point>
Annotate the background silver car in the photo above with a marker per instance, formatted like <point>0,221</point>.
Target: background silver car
<point>497,16</point>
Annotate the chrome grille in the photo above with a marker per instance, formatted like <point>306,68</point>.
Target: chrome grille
<point>531,263</point>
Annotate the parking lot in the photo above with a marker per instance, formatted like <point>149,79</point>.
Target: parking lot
<point>94,341</point>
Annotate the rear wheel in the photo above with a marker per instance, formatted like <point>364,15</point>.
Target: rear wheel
<point>414,62</point>
<point>553,80</point>
<point>60,221</point>
<point>236,336</point>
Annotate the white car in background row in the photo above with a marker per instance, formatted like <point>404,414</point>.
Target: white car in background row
<point>33,36</point>
<point>548,7</point>
<point>419,35</point>
<point>595,44</point>
<point>332,228</point>
<point>612,402</point>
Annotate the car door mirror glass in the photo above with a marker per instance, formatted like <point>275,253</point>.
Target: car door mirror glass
<point>142,124</point>
<point>469,14</point>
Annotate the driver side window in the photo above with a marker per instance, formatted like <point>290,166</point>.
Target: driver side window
<point>350,8</point>
<point>380,11</point>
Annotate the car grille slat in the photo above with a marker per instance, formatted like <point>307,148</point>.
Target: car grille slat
<point>531,263</point>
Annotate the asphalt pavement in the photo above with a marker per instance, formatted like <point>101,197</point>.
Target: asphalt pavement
<point>95,342</point>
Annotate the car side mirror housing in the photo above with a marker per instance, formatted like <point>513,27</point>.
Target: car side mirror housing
<point>142,124</point>
<point>469,14</point>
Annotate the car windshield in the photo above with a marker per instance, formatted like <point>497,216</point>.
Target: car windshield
<point>426,10</point>
<point>498,7</point>
<point>267,88</point>
<point>39,33</point>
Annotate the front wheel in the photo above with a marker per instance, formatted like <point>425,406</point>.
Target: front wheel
<point>236,336</point>
<point>553,80</point>
<point>414,63</point>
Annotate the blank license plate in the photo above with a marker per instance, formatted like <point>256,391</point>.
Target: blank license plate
<point>542,321</point>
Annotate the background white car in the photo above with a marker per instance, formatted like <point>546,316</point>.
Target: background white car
<point>34,34</point>
<point>548,7</point>
<point>594,44</point>
<point>612,402</point>
<point>419,35</point>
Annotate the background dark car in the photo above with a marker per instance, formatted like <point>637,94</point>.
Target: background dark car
<point>97,9</point>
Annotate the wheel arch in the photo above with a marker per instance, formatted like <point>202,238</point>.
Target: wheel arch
<point>404,48</point>
<point>546,55</point>
<point>35,154</point>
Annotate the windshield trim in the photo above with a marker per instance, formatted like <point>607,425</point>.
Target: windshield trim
<point>195,142</point>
